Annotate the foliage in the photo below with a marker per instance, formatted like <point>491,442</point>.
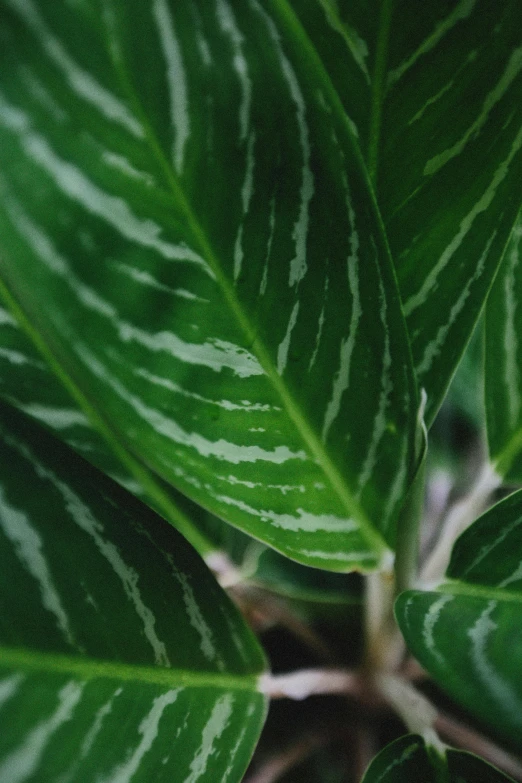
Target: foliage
<point>244,245</point>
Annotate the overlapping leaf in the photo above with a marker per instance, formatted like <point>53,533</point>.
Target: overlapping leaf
<point>433,92</point>
<point>120,657</point>
<point>185,222</point>
<point>468,633</point>
<point>504,360</point>
<point>407,760</point>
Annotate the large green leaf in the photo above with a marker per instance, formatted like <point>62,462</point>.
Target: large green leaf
<point>503,362</point>
<point>120,656</point>
<point>433,91</point>
<point>186,224</point>
<point>468,633</point>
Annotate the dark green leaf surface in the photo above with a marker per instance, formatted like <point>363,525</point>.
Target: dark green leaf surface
<point>467,768</point>
<point>407,760</point>
<point>503,362</point>
<point>120,657</point>
<point>186,223</point>
<point>404,761</point>
<point>468,633</point>
<point>433,92</point>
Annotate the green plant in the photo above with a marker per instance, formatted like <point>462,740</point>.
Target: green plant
<point>244,245</point>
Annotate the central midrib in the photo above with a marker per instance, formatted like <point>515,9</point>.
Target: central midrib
<point>90,669</point>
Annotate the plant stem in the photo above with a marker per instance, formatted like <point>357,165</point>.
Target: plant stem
<point>469,739</point>
<point>303,683</point>
<point>415,710</point>
<point>459,517</point>
<point>384,642</point>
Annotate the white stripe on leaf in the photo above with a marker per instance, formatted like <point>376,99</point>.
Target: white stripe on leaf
<point>462,10</point>
<point>23,762</point>
<point>298,265</point>
<point>430,281</point>
<point>81,81</point>
<point>228,24</point>
<point>513,68</point>
<point>282,351</point>
<point>163,425</point>
<point>495,685</point>
<point>212,731</point>
<point>29,548</point>
<point>76,185</point>
<point>149,730</point>
<point>341,380</point>
<point>83,517</point>
<point>176,80</point>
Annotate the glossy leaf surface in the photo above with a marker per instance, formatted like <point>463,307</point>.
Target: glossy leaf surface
<point>433,91</point>
<point>197,244</point>
<point>468,633</point>
<point>120,657</point>
<point>504,360</point>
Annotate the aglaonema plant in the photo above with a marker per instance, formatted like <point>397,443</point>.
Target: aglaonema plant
<point>244,245</point>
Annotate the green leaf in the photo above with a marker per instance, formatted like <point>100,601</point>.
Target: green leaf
<point>408,760</point>
<point>503,362</point>
<point>433,91</point>
<point>405,760</point>
<point>468,633</point>
<point>186,225</point>
<point>120,656</point>
<point>467,768</point>
<point>28,382</point>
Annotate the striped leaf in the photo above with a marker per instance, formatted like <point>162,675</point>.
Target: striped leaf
<point>120,658</point>
<point>405,760</point>
<point>408,760</point>
<point>433,91</point>
<point>28,382</point>
<point>186,225</point>
<point>503,362</point>
<point>468,632</point>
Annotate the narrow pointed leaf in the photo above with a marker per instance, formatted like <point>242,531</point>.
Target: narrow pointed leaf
<point>120,657</point>
<point>433,92</point>
<point>468,633</point>
<point>198,247</point>
<point>504,360</point>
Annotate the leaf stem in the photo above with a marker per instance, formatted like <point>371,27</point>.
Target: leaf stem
<point>303,683</point>
<point>459,517</point>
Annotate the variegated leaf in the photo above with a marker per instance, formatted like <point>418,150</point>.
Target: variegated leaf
<point>120,657</point>
<point>408,760</point>
<point>28,382</point>
<point>186,224</point>
<point>433,92</point>
<point>404,760</point>
<point>468,632</point>
<point>504,362</point>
